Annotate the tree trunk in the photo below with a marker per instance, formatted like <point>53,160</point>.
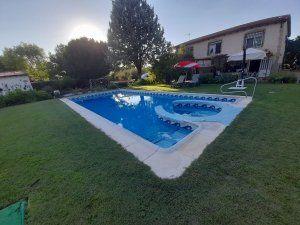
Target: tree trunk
<point>139,70</point>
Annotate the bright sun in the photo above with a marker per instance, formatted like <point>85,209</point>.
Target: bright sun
<point>89,31</point>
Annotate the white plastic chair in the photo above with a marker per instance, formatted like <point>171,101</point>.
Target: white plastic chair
<point>239,87</point>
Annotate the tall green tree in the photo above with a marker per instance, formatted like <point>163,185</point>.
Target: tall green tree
<point>56,62</point>
<point>39,71</point>
<point>17,57</point>
<point>135,35</point>
<point>164,69</point>
<point>28,57</point>
<point>82,59</point>
<point>11,61</point>
<point>32,53</point>
<point>185,53</point>
<point>2,68</point>
<point>292,51</point>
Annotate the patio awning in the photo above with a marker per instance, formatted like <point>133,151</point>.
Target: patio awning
<point>251,54</point>
<point>187,65</point>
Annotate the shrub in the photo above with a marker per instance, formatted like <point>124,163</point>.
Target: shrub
<point>151,79</point>
<point>2,102</point>
<point>211,79</point>
<point>112,85</point>
<point>41,95</point>
<point>48,88</point>
<point>62,85</point>
<point>227,78</point>
<point>164,68</point>
<point>140,82</point>
<point>20,97</point>
<point>282,77</point>
<point>124,74</point>
<point>207,79</point>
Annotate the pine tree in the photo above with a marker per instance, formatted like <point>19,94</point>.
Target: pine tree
<point>135,35</point>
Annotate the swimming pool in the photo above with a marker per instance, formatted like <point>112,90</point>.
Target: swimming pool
<point>136,112</point>
<point>152,124</point>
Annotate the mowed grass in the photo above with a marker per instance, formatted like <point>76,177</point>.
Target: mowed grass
<point>208,88</point>
<point>72,173</point>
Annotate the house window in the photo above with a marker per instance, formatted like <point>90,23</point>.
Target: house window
<point>254,40</point>
<point>214,48</point>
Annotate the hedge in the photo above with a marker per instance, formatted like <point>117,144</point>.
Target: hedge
<point>282,77</point>
<point>62,85</point>
<point>211,79</point>
<point>21,97</point>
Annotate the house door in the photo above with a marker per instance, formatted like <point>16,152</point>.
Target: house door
<point>254,66</point>
<point>265,67</point>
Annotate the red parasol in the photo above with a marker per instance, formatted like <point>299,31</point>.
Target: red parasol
<point>187,64</point>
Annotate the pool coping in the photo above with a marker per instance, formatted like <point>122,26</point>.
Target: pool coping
<point>166,163</point>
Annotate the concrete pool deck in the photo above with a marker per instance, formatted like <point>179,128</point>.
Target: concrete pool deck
<point>165,163</point>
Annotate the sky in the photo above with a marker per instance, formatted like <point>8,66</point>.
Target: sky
<point>51,22</point>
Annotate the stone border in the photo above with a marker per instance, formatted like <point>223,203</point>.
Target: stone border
<point>164,162</point>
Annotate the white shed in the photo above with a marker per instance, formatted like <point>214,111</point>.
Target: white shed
<point>13,80</point>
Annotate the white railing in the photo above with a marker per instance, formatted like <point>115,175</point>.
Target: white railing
<point>239,91</point>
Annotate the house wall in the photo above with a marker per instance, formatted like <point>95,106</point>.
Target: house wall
<point>274,40</point>
<point>282,43</point>
<point>11,83</point>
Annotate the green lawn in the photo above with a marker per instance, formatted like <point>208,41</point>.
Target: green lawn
<point>209,88</point>
<point>72,173</point>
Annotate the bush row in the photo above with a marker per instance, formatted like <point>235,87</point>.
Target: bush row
<point>211,79</point>
<point>151,79</point>
<point>279,77</point>
<point>282,77</point>
<point>62,85</point>
<point>20,97</point>
<point>203,79</point>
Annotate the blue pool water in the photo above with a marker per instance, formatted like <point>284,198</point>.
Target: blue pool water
<point>135,112</point>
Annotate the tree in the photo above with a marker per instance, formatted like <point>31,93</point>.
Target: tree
<point>12,61</point>
<point>32,53</point>
<point>135,36</point>
<point>82,59</point>
<point>2,68</point>
<point>39,71</point>
<point>163,68</point>
<point>185,53</point>
<point>17,57</point>
<point>27,57</point>
<point>292,51</point>
<point>56,62</point>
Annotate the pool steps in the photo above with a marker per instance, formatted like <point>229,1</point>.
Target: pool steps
<point>174,118</point>
<point>196,104</point>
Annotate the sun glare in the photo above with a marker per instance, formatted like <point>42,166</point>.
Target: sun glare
<point>89,31</point>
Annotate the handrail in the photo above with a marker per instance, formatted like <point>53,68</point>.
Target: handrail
<point>239,91</point>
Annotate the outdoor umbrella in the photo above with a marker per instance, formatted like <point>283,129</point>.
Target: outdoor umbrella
<point>187,65</point>
<point>251,54</point>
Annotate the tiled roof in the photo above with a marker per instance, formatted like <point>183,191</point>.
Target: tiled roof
<point>12,73</point>
<point>246,26</point>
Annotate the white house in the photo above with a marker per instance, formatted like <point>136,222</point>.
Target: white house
<point>10,81</point>
<point>267,34</point>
